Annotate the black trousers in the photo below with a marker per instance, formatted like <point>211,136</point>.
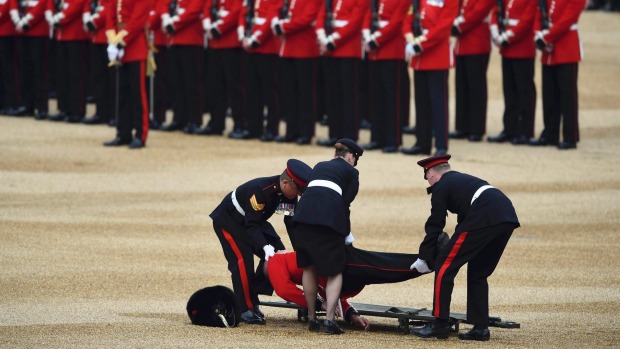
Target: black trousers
<point>262,89</point>
<point>370,267</point>
<point>481,249</point>
<point>519,96</point>
<point>103,78</point>
<point>471,93</point>
<point>299,96</point>
<point>33,58</point>
<point>8,72</point>
<point>387,86</point>
<point>185,82</point>
<point>431,107</point>
<point>133,114</point>
<point>342,95</point>
<point>239,252</point>
<point>225,87</point>
<point>162,86</point>
<point>560,102</point>
<point>71,58</point>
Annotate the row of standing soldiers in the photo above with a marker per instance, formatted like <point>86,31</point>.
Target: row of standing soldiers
<point>295,60</point>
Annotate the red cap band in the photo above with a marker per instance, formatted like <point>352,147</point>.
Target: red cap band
<point>434,163</point>
<point>296,179</point>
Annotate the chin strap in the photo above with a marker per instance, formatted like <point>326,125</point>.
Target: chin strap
<point>223,318</point>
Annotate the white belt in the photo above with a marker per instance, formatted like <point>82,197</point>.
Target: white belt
<point>512,22</point>
<point>259,20</point>
<point>327,184</point>
<point>233,196</point>
<point>574,27</point>
<point>340,23</point>
<point>479,191</point>
<point>382,24</point>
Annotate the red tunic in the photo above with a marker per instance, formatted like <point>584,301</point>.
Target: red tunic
<point>188,24</point>
<point>71,26</point>
<point>131,16</point>
<point>264,11</point>
<point>347,23</point>
<point>475,37</point>
<point>519,15</point>
<point>227,22</point>
<point>300,40</point>
<point>391,40</point>
<point>437,18</point>
<point>563,33</point>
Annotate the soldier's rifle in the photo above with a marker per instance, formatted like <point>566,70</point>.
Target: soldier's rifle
<point>249,18</point>
<point>416,25</point>
<point>374,16</point>
<point>329,17</point>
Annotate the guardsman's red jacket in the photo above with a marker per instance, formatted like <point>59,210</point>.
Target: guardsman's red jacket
<point>186,21</point>
<point>563,33</point>
<point>390,29</point>
<point>475,38</point>
<point>519,18</point>
<point>69,15</point>
<point>437,18</point>
<point>35,11</point>
<point>300,40</point>
<point>130,17</point>
<point>264,11</point>
<point>159,37</point>
<point>227,15</point>
<point>98,19</point>
<point>348,16</point>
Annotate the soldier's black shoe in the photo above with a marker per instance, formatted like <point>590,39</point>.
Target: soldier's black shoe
<point>23,111</point>
<point>441,151</point>
<point>389,149</point>
<point>432,329</point>
<point>330,142</point>
<point>314,325</point>
<point>190,128</point>
<point>458,135</point>
<point>519,140</point>
<point>154,124</point>
<point>112,122</point>
<point>500,138</point>
<point>173,126</point>
<point>118,141</point>
<point>207,131</point>
<point>267,136</point>
<point>371,146</point>
<point>240,134</point>
<point>57,117</point>
<point>567,145</point>
<point>41,115</point>
<point>365,124</point>
<point>331,327</point>
<point>284,139</point>
<point>415,150</point>
<point>94,120</point>
<point>136,143</point>
<point>475,334</point>
<point>250,317</point>
<point>409,130</point>
<point>74,119</point>
<point>474,138</point>
<point>541,141</point>
<point>303,140</point>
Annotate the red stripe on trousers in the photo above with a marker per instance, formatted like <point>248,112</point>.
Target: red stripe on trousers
<point>442,270</point>
<point>241,266</point>
<point>143,101</point>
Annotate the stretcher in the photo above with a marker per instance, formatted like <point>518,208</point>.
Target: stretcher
<point>406,316</point>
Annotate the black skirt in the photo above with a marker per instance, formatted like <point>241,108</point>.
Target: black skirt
<point>319,246</point>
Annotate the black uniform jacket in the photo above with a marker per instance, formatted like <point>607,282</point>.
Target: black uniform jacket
<point>453,193</point>
<point>259,198</point>
<point>324,206</point>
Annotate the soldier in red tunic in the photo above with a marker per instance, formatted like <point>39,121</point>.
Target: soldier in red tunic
<point>127,50</point>
<point>558,39</point>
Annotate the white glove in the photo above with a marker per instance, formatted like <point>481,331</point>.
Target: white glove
<point>420,266</point>
<point>349,239</point>
<point>112,52</point>
<point>409,52</point>
<point>121,54</point>
<point>269,251</point>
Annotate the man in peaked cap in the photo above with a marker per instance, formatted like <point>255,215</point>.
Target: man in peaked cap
<point>240,223</point>
<point>486,220</point>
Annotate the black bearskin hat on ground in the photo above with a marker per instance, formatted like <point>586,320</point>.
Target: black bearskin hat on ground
<point>215,306</point>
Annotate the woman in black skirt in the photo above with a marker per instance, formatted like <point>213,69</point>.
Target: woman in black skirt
<point>322,224</point>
